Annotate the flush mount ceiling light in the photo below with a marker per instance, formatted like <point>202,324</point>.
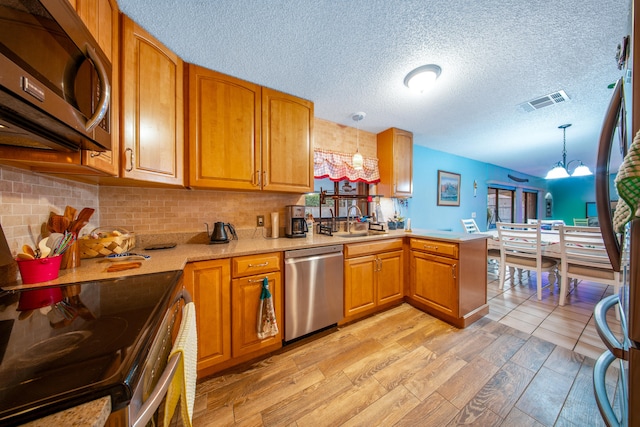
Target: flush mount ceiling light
<point>561,169</point>
<point>357,162</point>
<point>422,78</point>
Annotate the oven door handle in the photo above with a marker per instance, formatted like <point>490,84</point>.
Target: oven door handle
<point>160,391</point>
<point>155,399</point>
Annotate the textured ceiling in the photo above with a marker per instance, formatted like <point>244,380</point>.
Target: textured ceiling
<point>349,56</point>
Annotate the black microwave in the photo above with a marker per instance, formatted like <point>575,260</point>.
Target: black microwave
<point>54,79</point>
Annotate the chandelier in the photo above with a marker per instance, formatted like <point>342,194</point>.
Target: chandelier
<point>561,169</point>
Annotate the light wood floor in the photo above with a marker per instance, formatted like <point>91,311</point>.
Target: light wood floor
<point>571,326</point>
<point>406,368</point>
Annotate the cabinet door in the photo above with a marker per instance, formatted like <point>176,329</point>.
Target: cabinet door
<point>434,282</point>
<point>224,131</point>
<point>389,278</point>
<point>209,283</point>
<point>101,18</point>
<point>359,286</point>
<point>403,164</point>
<point>287,146</point>
<point>152,108</point>
<point>395,160</point>
<point>245,300</point>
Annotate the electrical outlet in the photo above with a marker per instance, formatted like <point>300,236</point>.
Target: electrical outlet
<point>260,221</point>
<point>473,214</point>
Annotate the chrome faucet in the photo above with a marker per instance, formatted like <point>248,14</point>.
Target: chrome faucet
<point>348,217</point>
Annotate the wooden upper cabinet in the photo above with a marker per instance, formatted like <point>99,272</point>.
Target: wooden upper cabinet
<point>245,137</point>
<point>223,130</point>
<point>152,108</point>
<point>101,18</point>
<point>395,160</point>
<point>287,146</point>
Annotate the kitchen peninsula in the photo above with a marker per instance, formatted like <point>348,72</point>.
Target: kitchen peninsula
<point>443,273</point>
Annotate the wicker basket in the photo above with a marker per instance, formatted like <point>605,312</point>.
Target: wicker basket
<point>115,241</point>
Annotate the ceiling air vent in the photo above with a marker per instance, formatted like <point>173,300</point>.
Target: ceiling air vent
<point>545,101</point>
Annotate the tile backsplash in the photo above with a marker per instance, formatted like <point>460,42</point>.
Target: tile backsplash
<point>158,210</point>
<point>27,198</point>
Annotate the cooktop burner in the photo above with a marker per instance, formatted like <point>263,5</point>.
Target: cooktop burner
<point>52,348</point>
<point>87,345</point>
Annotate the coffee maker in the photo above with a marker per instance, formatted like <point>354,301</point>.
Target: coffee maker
<point>295,223</point>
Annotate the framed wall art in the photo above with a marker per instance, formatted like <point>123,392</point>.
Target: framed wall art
<point>448,188</point>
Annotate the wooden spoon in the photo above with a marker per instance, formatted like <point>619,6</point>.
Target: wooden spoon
<point>83,219</point>
<point>22,255</point>
<point>70,213</point>
<point>58,223</point>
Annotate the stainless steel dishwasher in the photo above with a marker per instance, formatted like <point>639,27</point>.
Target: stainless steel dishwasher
<point>313,290</point>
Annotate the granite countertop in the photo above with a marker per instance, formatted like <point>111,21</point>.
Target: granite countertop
<point>90,414</point>
<point>196,249</point>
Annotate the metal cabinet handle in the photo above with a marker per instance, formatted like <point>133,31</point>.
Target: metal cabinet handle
<point>130,168</point>
<point>435,248</point>
<point>105,90</point>
<point>257,179</point>
<point>264,179</point>
<point>264,264</point>
<point>95,154</point>
<point>453,270</point>
<point>257,280</point>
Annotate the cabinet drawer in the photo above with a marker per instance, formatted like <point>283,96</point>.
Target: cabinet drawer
<point>256,264</point>
<point>435,246</point>
<point>358,249</point>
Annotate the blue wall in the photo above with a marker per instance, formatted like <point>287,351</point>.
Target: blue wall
<point>569,195</point>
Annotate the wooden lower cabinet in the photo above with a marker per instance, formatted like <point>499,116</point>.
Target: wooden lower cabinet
<point>390,277</point>
<point>449,280</point>
<point>226,293</point>
<point>245,294</point>
<point>434,281</point>
<point>373,273</point>
<point>208,282</point>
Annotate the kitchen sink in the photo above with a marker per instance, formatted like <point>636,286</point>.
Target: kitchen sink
<point>359,233</point>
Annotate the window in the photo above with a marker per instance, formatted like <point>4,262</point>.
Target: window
<point>336,198</point>
<point>500,206</point>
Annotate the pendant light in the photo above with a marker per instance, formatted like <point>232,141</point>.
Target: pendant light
<point>357,162</point>
<point>561,169</point>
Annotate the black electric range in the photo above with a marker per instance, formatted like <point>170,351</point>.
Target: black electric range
<point>70,344</point>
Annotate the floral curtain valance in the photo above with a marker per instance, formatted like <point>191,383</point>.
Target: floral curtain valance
<point>337,167</point>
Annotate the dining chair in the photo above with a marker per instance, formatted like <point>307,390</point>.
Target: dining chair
<point>584,257</point>
<point>580,222</point>
<point>521,248</point>
<point>469,225</point>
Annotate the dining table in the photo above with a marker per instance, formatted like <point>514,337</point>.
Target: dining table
<point>550,242</point>
<point>550,245</point>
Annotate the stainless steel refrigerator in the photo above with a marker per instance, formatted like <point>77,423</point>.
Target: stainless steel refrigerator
<point>619,407</point>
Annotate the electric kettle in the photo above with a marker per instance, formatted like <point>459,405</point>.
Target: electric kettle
<point>219,234</point>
